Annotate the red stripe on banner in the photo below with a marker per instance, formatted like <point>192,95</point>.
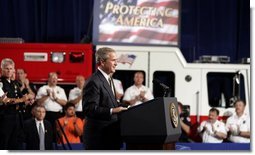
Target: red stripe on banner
<point>171,4</point>
<point>170,21</point>
<point>120,35</point>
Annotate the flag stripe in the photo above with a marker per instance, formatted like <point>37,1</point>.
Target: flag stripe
<point>149,40</point>
<point>173,4</point>
<point>170,21</point>
<point>143,33</point>
<point>111,28</point>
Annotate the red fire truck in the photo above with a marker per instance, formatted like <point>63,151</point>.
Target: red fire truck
<point>68,60</point>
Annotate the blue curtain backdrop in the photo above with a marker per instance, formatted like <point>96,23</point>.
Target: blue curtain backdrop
<point>63,21</point>
<point>208,27</point>
<point>215,27</point>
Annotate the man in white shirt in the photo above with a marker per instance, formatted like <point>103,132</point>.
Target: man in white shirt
<point>238,125</point>
<point>118,89</point>
<point>213,130</point>
<point>137,93</point>
<point>75,95</point>
<point>53,98</point>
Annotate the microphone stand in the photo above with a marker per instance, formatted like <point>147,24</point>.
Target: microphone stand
<point>166,92</point>
<point>165,88</point>
<point>61,141</point>
<point>62,130</point>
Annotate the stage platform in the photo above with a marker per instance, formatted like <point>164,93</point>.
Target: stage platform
<point>184,146</point>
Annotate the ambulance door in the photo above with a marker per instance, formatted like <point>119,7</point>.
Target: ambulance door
<point>183,81</point>
<point>219,89</point>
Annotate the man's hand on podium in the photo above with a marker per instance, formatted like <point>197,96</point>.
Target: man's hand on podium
<point>118,109</point>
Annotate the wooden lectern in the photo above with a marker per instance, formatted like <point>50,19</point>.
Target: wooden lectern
<point>153,125</point>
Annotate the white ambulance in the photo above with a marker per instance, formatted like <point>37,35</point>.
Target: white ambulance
<point>199,86</point>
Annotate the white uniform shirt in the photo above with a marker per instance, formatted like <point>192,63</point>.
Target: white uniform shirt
<point>1,92</point>
<point>118,86</point>
<point>208,135</point>
<point>50,104</point>
<point>133,91</point>
<point>238,124</point>
<point>73,94</point>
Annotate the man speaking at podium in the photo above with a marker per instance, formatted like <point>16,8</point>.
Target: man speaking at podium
<point>102,130</point>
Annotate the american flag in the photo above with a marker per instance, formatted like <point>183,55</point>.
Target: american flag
<point>166,35</point>
<point>126,58</point>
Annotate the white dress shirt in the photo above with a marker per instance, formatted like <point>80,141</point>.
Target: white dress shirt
<point>134,91</point>
<point>118,86</point>
<point>208,135</point>
<point>37,125</point>
<point>73,94</point>
<point>1,92</point>
<point>50,104</point>
<point>238,124</point>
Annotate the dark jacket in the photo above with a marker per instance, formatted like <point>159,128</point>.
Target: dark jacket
<point>10,120</point>
<point>101,130</point>
<point>13,91</point>
<point>31,136</point>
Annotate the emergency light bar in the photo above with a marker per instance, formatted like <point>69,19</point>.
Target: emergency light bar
<point>214,59</point>
<point>246,60</point>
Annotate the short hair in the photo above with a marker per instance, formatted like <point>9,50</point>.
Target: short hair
<point>39,106</point>
<point>102,54</point>
<point>52,73</point>
<point>215,110</point>
<point>240,100</point>
<point>6,61</point>
<point>139,72</point>
<point>79,76</point>
<point>23,70</point>
<point>68,104</point>
<point>35,106</point>
<point>180,105</point>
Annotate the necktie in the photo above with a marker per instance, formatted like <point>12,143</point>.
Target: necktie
<point>41,136</point>
<point>111,85</point>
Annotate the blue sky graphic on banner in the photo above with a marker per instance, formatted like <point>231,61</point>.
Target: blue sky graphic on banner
<point>153,22</point>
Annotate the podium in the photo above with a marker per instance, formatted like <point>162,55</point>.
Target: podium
<point>153,125</point>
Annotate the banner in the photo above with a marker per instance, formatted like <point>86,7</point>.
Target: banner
<point>148,22</point>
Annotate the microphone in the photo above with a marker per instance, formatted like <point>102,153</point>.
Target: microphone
<point>156,81</point>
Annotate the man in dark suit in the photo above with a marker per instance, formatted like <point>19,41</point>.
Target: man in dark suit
<point>102,130</point>
<point>32,138</point>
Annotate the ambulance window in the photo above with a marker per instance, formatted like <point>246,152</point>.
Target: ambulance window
<point>127,77</point>
<point>167,78</point>
<point>222,89</point>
